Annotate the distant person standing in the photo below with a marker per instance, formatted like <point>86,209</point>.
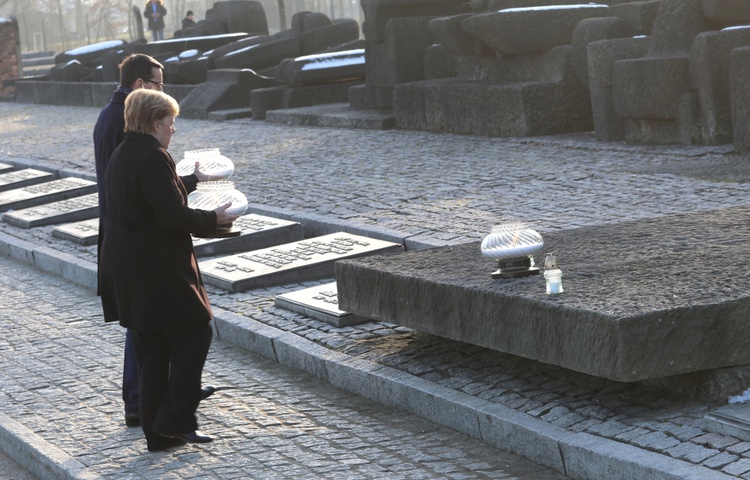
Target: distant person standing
<point>188,21</point>
<point>155,13</point>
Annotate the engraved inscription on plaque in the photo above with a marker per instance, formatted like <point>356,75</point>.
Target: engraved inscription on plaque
<point>257,232</point>
<point>42,193</point>
<point>22,178</point>
<point>293,262</point>
<point>321,303</point>
<point>70,210</point>
<point>84,233</point>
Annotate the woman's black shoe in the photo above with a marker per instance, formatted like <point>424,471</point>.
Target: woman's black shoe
<point>192,437</point>
<point>164,444</point>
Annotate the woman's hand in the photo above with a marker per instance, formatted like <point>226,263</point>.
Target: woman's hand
<point>222,217</point>
<point>202,177</point>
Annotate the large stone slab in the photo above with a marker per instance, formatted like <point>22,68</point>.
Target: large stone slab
<point>258,232</point>
<point>290,263</point>
<point>22,178</point>
<point>5,167</point>
<point>70,210</point>
<point>319,302</point>
<point>643,299</point>
<point>47,192</point>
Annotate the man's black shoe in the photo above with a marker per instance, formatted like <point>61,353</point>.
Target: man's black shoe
<point>192,437</point>
<point>132,420</point>
<point>207,392</point>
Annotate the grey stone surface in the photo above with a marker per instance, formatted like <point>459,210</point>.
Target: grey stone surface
<point>740,92</point>
<point>264,100</point>
<point>174,46</point>
<point>526,31</point>
<point>90,55</point>
<point>316,40</point>
<point>224,89</point>
<point>710,77</point>
<point>727,12</point>
<point>512,107</point>
<point>380,12</point>
<point>338,115</point>
<point>602,56</point>
<point>450,33</point>
<point>263,55</point>
<point>242,16</point>
<point>430,190</point>
<point>322,68</point>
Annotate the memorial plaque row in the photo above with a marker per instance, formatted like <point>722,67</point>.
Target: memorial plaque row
<point>70,210</point>
<point>258,231</point>
<point>42,193</point>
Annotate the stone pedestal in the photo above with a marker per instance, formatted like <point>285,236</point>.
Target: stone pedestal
<point>643,300</point>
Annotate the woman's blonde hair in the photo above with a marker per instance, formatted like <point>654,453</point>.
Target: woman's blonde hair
<point>143,108</point>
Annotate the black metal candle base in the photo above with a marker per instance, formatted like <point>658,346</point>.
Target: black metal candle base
<point>517,267</point>
<point>222,231</point>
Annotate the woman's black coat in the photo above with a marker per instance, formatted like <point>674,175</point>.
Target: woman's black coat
<point>148,272</point>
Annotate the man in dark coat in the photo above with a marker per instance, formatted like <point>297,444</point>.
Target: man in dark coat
<point>136,71</point>
<point>154,12</point>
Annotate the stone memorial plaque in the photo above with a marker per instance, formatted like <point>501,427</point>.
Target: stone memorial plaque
<point>70,210</point>
<point>320,303</point>
<point>257,232</point>
<point>5,167</point>
<point>47,192</point>
<point>731,420</point>
<point>291,263</point>
<point>84,233</point>
<point>22,178</point>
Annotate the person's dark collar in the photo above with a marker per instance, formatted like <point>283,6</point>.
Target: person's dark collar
<point>125,90</point>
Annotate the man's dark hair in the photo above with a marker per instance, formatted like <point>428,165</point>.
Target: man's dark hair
<point>189,12</point>
<point>135,66</point>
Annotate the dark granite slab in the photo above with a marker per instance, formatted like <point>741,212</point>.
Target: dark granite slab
<point>643,299</point>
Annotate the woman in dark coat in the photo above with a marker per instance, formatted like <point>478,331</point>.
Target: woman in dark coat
<point>148,271</point>
<point>154,12</point>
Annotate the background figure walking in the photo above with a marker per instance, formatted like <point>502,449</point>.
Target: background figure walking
<point>155,13</point>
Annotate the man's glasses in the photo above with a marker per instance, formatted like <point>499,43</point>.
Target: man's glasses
<point>159,86</point>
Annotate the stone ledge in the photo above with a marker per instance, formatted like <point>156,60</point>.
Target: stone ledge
<point>643,299</point>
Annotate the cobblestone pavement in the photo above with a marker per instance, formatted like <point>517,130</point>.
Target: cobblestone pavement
<point>60,378</point>
<point>432,190</point>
